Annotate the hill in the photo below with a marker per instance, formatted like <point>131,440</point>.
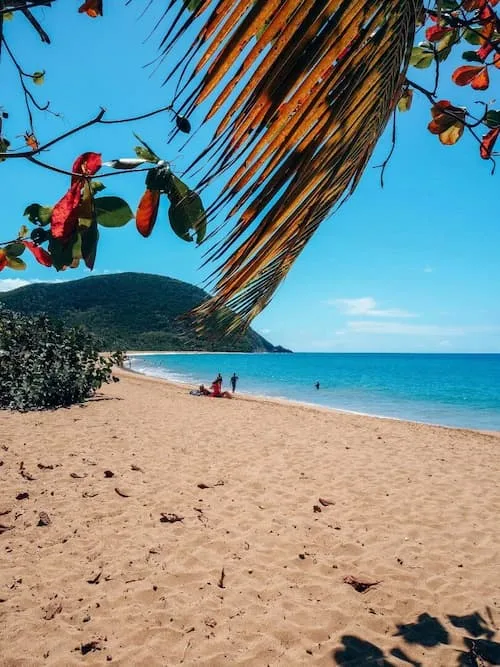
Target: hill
<point>131,311</point>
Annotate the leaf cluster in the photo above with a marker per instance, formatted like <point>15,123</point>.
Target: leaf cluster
<point>46,365</point>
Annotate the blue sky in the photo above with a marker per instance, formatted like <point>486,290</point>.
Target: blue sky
<point>411,267</point>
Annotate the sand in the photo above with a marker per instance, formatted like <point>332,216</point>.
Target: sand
<point>414,507</point>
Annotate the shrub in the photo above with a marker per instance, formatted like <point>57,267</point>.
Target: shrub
<point>43,364</point>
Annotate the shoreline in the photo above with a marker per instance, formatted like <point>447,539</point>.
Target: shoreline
<point>312,406</point>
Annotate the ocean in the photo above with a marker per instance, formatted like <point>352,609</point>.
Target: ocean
<point>461,390</point>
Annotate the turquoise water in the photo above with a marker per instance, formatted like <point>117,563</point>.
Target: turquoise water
<point>449,389</point>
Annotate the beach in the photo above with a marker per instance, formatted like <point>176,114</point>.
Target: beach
<point>152,527</point>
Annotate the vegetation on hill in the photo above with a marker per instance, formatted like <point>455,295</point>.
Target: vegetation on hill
<point>131,311</point>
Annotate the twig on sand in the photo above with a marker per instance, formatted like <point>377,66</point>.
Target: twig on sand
<point>185,650</point>
<point>170,518</point>
<point>95,579</point>
<point>210,486</point>
<point>220,584</point>
<point>359,585</point>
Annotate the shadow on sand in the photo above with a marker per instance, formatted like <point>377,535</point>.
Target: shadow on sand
<point>480,649</point>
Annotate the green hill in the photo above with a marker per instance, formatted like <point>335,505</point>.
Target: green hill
<point>131,311</point>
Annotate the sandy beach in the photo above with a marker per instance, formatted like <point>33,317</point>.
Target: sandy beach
<point>151,527</point>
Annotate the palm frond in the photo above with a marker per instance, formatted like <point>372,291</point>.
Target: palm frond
<point>303,89</point>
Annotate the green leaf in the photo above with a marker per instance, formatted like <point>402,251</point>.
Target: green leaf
<point>149,151</point>
<point>188,213</point>
<point>145,154</point>
<point>8,16</point>
<point>23,232</point>
<point>471,57</point>
<point>405,101</point>
<point>76,249</point>
<point>449,5</point>
<point>493,119</point>
<point>15,249</point>
<point>421,58</point>
<point>96,186</point>
<point>89,245</point>
<point>112,211</point>
<point>39,215</point>
<point>38,78</point>
<point>193,5</point>
<point>159,178</point>
<point>444,46</point>
<point>62,254</point>
<point>177,189</point>
<point>16,263</point>
<point>472,37</point>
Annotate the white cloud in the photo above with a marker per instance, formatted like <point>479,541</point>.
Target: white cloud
<point>428,269</point>
<point>367,306</point>
<point>8,284</point>
<point>404,329</point>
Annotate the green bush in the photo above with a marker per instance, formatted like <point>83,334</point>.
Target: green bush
<point>43,364</point>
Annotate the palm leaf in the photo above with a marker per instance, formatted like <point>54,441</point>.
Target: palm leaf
<point>303,89</point>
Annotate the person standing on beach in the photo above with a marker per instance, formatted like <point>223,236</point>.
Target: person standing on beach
<point>234,380</point>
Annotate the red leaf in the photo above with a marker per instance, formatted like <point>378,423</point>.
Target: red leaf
<point>3,259</point>
<point>31,141</point>
<point>485,51</point>
<point>147,212</point>
<point>41,255</point>
<point>471,5</point>
<point>481,81</point>
<point>464,75</point>
<point>64,215</point>
<point>92,8</point>
<point>436,33</point>
<point>488,143</point>
<point>475,75</point>
<point>447,122</point>
<point>87,164</point>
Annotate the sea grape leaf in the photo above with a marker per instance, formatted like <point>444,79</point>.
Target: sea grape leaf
<point>89,245</point>
<point>471,56</point>
<point>188,213</point>
<point>493,119</point>
<point>96,186</point>
<point>421,57</point>
<point>61,253</point>
<point>38,77</point>
<point>112,211</point>
<point>152,157</point>
<point>159,178</point>
<point>15,263</point>
<point>145,154</point>
<point>39,215</point>
<point>14,249</point>
<point>405,101</point>
<point>472,37</point>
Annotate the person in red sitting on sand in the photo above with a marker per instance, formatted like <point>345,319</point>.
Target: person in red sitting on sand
<point>217,389</point>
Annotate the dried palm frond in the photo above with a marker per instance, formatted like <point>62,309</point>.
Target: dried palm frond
<point>303,89</point>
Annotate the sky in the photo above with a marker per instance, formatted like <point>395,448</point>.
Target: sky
<point>411,267</point>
